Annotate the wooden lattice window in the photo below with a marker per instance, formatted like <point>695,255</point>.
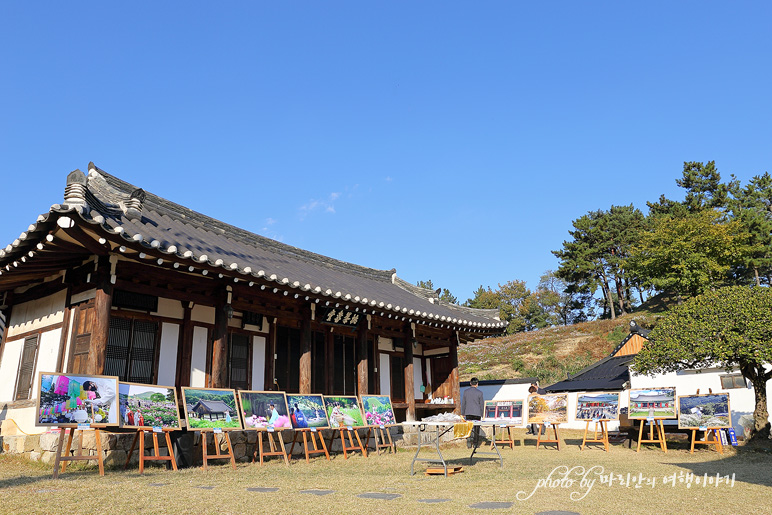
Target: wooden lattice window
<point>131,350</point>
<point>238,361</point>
<point>29,355</point>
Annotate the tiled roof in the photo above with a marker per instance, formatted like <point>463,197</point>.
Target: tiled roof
<point>145,221</point>
<point>610,373</point>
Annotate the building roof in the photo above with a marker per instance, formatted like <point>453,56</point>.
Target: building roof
<point>633,342</point>
<point>610,373</point>
<point>117,211</point>
<point>212,406</point>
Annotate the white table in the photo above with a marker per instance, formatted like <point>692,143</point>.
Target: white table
<point>439,429</point>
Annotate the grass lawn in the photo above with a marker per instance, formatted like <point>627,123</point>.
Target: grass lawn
<point>27,487</point>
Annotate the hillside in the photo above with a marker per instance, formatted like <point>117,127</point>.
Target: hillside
<point>551,354</point>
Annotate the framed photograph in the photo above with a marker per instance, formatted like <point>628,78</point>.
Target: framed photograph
<point>147,406</point>
<point>654,403</point>
<point>551,408</point>
<point>703,411</point>
<point>66,400</point>
<point>504,412</point>
<point>597,406</point>
<point>343,411</point>
<point>307,411</point>
<point>378,410</point>
<point>207,409</point>
<point>262,410</point>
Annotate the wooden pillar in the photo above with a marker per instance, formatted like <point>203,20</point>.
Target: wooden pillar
<point>185,346</point>
<point>454,384</point>
<point>409,381</point>
<point>330,368</point>
<point>220,345</point>
<point>363,364</point>
<point>100,329</point>
<point>305,355</point>
<point>270,355</point>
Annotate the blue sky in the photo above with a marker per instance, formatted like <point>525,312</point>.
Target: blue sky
<point>453,141</point>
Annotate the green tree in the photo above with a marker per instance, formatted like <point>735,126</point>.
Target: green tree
<point>509,299</point>
<point>687,255</point>
<point>728,327</point>
<point>751,207</point>
<point>443,294</point>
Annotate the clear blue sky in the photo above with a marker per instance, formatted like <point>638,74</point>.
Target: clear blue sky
<point>453,141</point>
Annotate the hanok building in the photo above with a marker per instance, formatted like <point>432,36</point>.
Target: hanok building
<point>118,281</point>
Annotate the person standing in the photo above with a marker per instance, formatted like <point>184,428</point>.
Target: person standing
<point>472,406</point>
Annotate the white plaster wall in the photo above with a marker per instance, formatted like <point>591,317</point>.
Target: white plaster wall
<point>258,362</point>
<point>170,308</point>
<point>198,359</point>
<point>417,379</point>
<point>9,368</point>
<point>385,373</point>
<point>741,400</point>
<point>203,314</point>
<point>167,357</point>
<point>429,377</point>
<point>37,314</point>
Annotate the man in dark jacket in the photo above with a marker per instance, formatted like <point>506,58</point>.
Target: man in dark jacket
<point>472,406</point>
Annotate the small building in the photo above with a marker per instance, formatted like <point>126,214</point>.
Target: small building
<point>117,281</point>
<point>212,410</point>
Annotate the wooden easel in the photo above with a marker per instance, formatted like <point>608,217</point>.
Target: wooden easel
<point>64,458</point>
<point>506,438</point>
<point>153,457</point>
<point>380,443</point>
<point>218,455</point>
<point>660,437</point>
<point>706,441</point>
<point>603,434</point>
<point>346,448</point>
<point>540,440</point>
<point>316,447</point>
<point>276,449</point>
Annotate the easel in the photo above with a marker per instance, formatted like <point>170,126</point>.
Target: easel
<point>347,431</point>
<point>277,449</point>
<point>385,434</point>
<point>78,456</point>
<point>153,457</point>
<point>314,435</point>
<point>706,441</point>
<point>660,438</point>
<point>504,440</point>
<point>218,455</point>
<point>603,433</point>
<point>540,440</point>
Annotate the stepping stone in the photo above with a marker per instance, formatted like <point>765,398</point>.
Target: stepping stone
<point>205,487</point>
<point>489,505</point>
<point>317,492</point>
<point>375,495</point>
<point>433,501</point>
<point>557,513</point>
<point>263,489</point>
<point>164,484</point>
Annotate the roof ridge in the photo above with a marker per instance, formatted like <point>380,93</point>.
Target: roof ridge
<point>207,223</point>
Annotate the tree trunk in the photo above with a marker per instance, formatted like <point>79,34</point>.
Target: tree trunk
<point>607,294</point>
<point>758,379</point>
<point>620,295</point>
<point>756,274</point>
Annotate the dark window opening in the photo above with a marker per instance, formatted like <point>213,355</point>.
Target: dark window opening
<point>131,350</point>
<point>344,366</point>
<point>238,361</point>
<point>287,364</point>
<point>397,379</point>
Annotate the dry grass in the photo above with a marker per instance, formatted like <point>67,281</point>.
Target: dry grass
<point>28,488</point>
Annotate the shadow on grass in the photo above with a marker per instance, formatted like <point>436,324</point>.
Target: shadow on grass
<point>748,467</point>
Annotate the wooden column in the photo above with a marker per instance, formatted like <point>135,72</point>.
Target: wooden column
<point>100,329</point>
<point>270,355</point>
<point>454,384</point>
<point>362,364</point>
<point>220,345</point>
<point>409,381</point>
<point>305,355</point>
<point>185,346</point>
<point>330,368</point>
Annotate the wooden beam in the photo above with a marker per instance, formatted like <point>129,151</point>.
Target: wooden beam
<point>362,363</point>
<point>409,379</point>
<point>79,235</point>
<point>305,355</point>
<point>185,346</point>
<point>220,377</point>
<point>454,384</point>
<point>101,324</point>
